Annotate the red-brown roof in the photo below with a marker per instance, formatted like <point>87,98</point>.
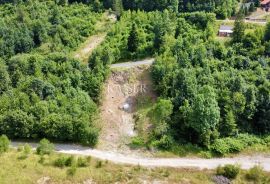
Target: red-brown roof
<point>264,2</point>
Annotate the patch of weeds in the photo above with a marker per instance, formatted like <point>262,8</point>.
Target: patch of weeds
<point>82,162</point>
<point>41,159</point>
<point>72,170</point>
<point>99,164</point>
<point>26,150</point>
<point>137,142</point>
<point>255,174</point>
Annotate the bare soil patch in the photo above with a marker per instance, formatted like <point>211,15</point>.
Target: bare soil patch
<point>121,93</point>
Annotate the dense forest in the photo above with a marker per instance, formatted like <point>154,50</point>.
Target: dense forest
<point>43,92</point>
<point>211,93</point>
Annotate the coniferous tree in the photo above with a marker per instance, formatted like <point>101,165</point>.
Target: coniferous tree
<point>239,28</point>
<point>118,8</point>
<point>133,39</point>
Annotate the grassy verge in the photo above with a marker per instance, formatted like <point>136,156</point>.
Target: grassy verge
<point>32,168</point>
<point>15,169</point>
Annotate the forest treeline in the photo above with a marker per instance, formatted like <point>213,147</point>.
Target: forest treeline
<point>223,9</point>
<point>212,94</point>
<point>44,92</point>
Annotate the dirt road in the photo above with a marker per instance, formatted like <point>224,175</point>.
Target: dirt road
<point>245,162</point>
<point>133,64</point>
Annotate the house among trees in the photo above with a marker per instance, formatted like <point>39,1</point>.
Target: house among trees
<point>225,31</point>
<point>265,4</point>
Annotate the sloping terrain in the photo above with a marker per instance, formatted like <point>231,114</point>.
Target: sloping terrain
<point>119,105</point>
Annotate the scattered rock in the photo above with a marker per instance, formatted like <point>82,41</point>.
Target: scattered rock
<point>221,180</point>
<point>89,181</point>
<point>44,180</point>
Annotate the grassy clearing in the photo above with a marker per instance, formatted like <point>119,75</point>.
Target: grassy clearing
<point>30,170</point>
<point>34,168</point>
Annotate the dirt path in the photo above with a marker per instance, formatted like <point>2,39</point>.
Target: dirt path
<point>95,40</point>
<point>244,162</point>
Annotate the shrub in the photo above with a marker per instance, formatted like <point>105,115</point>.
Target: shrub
<point>229,171</point>
<point>255,174</point>
<point>165,142</point>
<point>82,162</point>
<point>27,149</point>
<point>227,145</point>
<point>4,144</point>
<point>137,142</point>
<point>45,147</point>
<point>60,162</point>
<point>70,161</point>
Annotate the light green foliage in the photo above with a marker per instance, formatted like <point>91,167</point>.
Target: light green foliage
<point>229,171</point>
<point>45,147</point>
<point>4,144</point>
<point>82,162</point>
<point>160,115</point>
<point>228,145</point>
<point>257,175</point>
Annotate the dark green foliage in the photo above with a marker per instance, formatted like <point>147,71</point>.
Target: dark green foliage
<point>60,162</point>
<point>228,145</point>
<point>133,39</point>
<point>24,27</point>
<point>229,171</point>
<point>4,144</point>
<point>239,28</point>
<point>222,9</point>
<point>45,147</point>
<point>64,161</point>
<point>82,162</point>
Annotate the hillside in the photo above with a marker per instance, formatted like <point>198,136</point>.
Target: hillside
<point>144,81</point>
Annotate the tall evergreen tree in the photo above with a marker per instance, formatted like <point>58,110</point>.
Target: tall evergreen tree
<point>118,8</point>
<point>239,28</point>
<point>133,39</point>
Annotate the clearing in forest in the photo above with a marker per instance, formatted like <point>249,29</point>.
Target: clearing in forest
<point>122,93</point>
<point>101,28</point>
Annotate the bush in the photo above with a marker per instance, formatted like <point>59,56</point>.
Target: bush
<point>137,142</point>
<point>70,161</point>
<point>60,162</point>
<point>227,145</point>
<point>82,162</point>
<point>63,161</point>
<point>27,149</point>
<point>229,171</point>
<point>45,147</point>
<point>255,174</point>
<point>165,142</point>
<point>4,144</point>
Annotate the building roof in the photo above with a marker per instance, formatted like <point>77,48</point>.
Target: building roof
<point>265,2</point>
<point>226,29</point>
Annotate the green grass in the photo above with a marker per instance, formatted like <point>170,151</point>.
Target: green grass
<point>30,170</point>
